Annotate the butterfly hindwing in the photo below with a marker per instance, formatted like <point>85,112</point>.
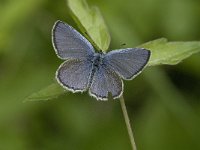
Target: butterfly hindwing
<point>68,43</point>
<point>105,81</point>
<point>127,62</point>
<point>74,75</point>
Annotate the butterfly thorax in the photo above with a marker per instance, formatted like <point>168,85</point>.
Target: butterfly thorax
<point>97,60</point>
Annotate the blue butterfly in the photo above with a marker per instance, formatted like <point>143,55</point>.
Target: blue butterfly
<point>84,69</point>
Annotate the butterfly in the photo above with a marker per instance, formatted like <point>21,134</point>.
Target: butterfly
<point>84,69</point>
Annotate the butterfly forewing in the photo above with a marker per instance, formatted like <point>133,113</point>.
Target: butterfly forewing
<point>105,81</point>
<point>74,75</point>
<point>127,62</point>
<point>68,43</point>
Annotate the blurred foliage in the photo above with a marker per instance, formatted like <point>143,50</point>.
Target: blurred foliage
<point>163,102</point>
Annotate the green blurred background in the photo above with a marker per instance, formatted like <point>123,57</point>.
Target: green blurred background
<point>163,102</point>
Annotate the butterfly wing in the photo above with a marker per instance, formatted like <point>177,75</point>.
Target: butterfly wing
<point>74,75</point>
<point>129,62</point>
<point>105,81</point>
<point>68,43</point>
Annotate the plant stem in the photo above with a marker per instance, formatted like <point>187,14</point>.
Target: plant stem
<point>127,121</point>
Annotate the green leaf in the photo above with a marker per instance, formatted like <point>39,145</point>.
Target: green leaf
<point>170,53</point>
<point>50,92</point>
<point>91,23</point>
<point>162,52</point>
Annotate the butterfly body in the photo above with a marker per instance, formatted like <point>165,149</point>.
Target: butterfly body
<point>96,62</point>
<point>85,69</point>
